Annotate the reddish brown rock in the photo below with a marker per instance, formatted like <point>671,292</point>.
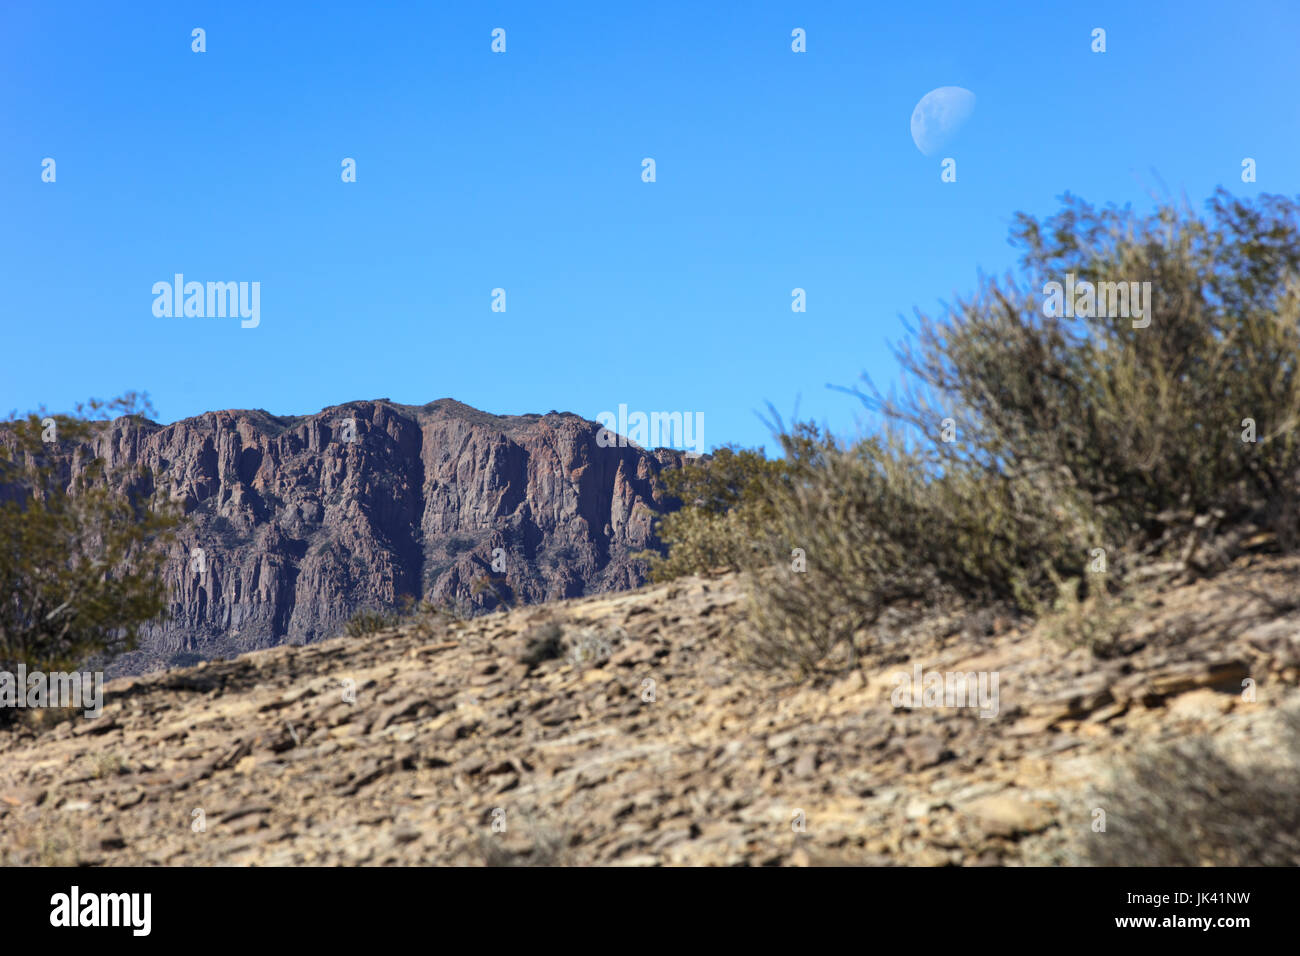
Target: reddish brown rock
<point>300,528</point>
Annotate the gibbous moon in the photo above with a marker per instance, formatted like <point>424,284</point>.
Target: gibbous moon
<point>940,116</point>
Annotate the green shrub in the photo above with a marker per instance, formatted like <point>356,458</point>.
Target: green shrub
<point>724,510</point>
<point>1100,622</point>
<point>1143,425</point>
<point>80,560</point>
<point>874,528</point>
<point>367,622</point>
<point>542,642</point>
<point>1025,443</point>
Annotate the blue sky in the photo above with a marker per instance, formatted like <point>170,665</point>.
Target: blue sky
<point>522,171</point>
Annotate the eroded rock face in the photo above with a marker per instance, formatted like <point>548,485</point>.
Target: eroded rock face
<point>301,522</point>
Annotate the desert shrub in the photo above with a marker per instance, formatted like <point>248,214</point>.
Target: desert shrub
<point>540,643</point>
<point>724,507</point>
<point>369,621</point>
<point>79,559</point>
<point>1101,621</point>
<point>454,607</point>
<point>428,619</point>
<point>1144,424</point>
<point>1025,439</point>
<point>875,528</point>
<point>1188,805</point>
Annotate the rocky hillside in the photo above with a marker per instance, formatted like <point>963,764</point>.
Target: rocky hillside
<point>301,522</point>
<point>618,729</point>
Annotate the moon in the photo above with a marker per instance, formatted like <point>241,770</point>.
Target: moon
<point>940,116</point>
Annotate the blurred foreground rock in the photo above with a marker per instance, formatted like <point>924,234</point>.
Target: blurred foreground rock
<point>617,730</point>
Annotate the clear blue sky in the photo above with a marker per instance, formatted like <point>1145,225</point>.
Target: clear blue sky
<point>775,170</point>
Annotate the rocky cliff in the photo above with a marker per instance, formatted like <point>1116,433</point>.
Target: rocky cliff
<point>295,524</point>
